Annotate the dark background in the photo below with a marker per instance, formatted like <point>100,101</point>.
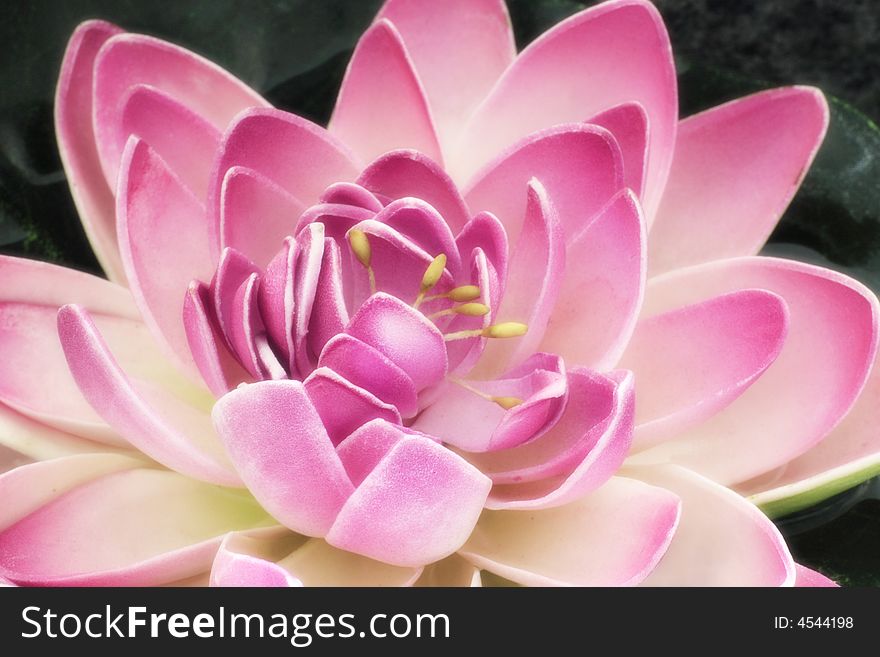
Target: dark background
<point>295,51</point>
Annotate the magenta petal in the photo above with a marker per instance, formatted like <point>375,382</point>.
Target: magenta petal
<point>371,370</point>
<point>464,354</point>
<point>694,361</point>
<point>163,240</point>
<point>232,271</point>
<point>810,578</point>
<point>812,384</point>
<point>367,445</point>
<point>485,232</point>
<point>76,143</point>
<point>173,434</point>
<point>329,314</point>
<point>276,298</point>
<point>344,406</point>
<point>418,505</point>
<point>602,290</point>
<point>741,164</point>
<point>404,335</point>
<point>345,193</point>
<point>624,46</point>
<point>232,568</point>
<point>307,269</point>
<point>628,122</point>
<point>280,448</point>
<point>579,165</point>
<point>422,224</point>
<point>405,173</point>
<point>380,83</point>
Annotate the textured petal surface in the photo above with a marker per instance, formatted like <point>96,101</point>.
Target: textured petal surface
<point>628,122</point>
<point>234,568</point>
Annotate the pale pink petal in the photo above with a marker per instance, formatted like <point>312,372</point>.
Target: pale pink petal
<point>200,86</point>
<point>151,418</point>
<point>536,272</point>
<point>318,564</point>
<point>614,536</point>
<point>694,361</point>
<point>38,441</point>
<point>282,452</point>
<point>628,122</point>
<point>452,571</point>
<point>405,173</point>
<point>76,143</point>
<point>487,233</point>
<point>601,293</point>
<point>418,505</point>
<point>459,48</point>
<point>89,500</point>
<point>721,540</point>
<point>380,83</point>
<point>810,578</point>
<point>823,365</point>
<point>579,165</point>
<point>163,239</point>
<point>234,568</point>
<point>736,168</point>
<point>614,53</point>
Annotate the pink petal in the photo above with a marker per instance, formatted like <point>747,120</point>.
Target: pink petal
<point>579,164</point>
<point>485,232</point>
<point>255,214</point>
<point>464,354</point>
<point>367,445</point>
<point>380,83</point>
<point>307,269</point>
<point>601,293</point>
<point>628,122</point>
<point>127,60</point>
<point>721,540</point>
<point>40,442</point>
<point>694,361</point>
<point>297,155</point>
<point>811,578</point>
<point>76,143</point>
<point>403,173</point>
<point>163,240</point>
<point>421,223</point>
<point>831,343</point>
<point>735,170</point>
<point>282,452</point>
<point>536,271</point>
<point>329,313</point>
<point>319,564</point>
<point>624,47</point>
<point>344,406</point>
<point>152,419</point>
<point>614,536</point>
<point>459,48</point>
<point>233,568</point>
<point>276,297</point>
<point>345,193</point>
<point>88,500</point>
<point>418,505</point>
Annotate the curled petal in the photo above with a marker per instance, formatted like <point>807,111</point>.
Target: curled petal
<point>234,567</point>
<point>628,122</point>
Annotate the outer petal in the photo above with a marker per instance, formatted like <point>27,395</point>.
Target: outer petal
<point>38,441</point>
<point>76,143</point>
<point>234,567</point>
<point>625,48</point>
<point>601,293</point>
<point>831,344</point>
<point>452,571</point>
<point>380,83</point>
<point>459,48</point>
<point>614,536</point>
<point>318,564</point>
<point>628,122</point>
<point>694,361</point>
<point>88,500</point>
<point>736,168</point>
<point>721,540</point>
<point>807,577</point>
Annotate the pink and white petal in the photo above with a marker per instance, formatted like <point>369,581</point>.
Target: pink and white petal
<point>694,361</point>
<point>127,60</point>
<point>417,506</point>
<point>155,419</point>
<point>318,564</point>
<point>234,567</point>
<point>810,578</point>
<point>452,571</point>
<point>299,156</point>
<point>628,122</point>
<point>735,170</point>
<point>346,193</point>
<point>40,442</point>
<point>536,272</point>
<point>343,406</point>
<point>381,83</point>
<point>815,380</point>
<point>425,226</point>
<point>459,47</point>
<point>76,143</point>
<point>409,173</point>
<point>624,46</point>
<point>88,500</point>
<point>306,272</point>
<point>614,536</point>
<point>487,233</point>
<point>329,313</point>
<point>721,540</point>
<point>282,452</point>
<point>602,290</point>
<point>164,243</point>
<point>256,214</point>
<point>579,164</point>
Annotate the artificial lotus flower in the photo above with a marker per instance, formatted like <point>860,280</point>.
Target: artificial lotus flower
<point>503,314</point>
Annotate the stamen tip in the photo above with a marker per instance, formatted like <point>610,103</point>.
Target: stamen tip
<point>507,402</point>
<point>505,330</point>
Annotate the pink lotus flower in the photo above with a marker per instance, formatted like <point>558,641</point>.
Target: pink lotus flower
<point>442,310</point>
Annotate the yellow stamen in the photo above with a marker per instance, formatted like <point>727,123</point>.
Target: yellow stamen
<point>504,402</point>
<point>503,330</point>
<point>507,402</point>
<point>360,246</point>
<point>469,309</point>
<point>431,277</point>
<point>464,293</point>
